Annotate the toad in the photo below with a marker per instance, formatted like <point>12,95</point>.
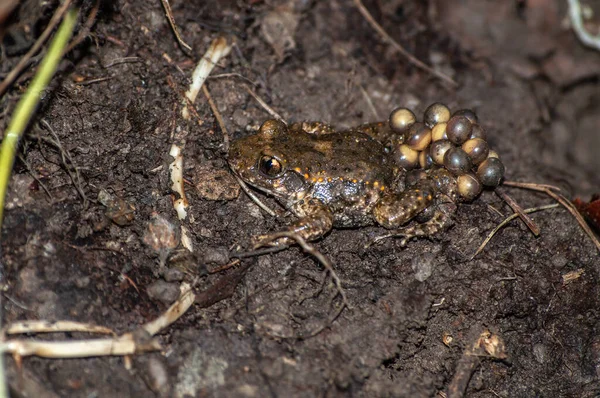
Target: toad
<point>367,175</point>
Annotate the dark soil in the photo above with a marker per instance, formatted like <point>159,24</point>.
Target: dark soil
<point>518,65</point>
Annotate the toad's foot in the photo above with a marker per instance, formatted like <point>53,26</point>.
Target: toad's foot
<point>317,221</point>
<point>441,220</point>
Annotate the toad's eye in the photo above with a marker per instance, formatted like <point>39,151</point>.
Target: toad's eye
<point>270,166</point>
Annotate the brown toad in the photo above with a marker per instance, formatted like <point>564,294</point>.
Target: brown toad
<point>340,179</point>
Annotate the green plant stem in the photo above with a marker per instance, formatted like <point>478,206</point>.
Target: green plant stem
<point>21,117</point>
<point>27,104</point>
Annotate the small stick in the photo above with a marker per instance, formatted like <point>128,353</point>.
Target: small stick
<point>39,326</point>
<point>530,185</point>
<point>217,50</point>
<point>56,18</point>
<point>487,344</point>
<point>86,28</point>
<point>224,267</point>
<point>506,221</point>
<point>519,210</point>
<point>316,254</point>
<point>262,103</point>
<point>386,37</point>
<point>233,74</point>
<point>218,116</point>
<point>548,189</point>
<point>169,14</point>
<point>254,198</point>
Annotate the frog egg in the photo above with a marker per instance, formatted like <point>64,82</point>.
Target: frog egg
<point>459,129</point>
<point>425,160</point>
<point>436,113</point>
<point>478,132</point>
<point>438,150</point>
<point>414,176</point>
<point>468,186</point>
<point>457,161</point>
<point>477,149</point>
<point>490,172</point>
<point>438,132</point>
<point>469,114</point>
<point>406,157</point>
<point>419,137</point>
<point>401,119</point>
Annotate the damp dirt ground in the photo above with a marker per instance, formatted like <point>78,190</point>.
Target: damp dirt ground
<point>105,128</point>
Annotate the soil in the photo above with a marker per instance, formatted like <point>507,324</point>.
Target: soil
<point>107,124</point>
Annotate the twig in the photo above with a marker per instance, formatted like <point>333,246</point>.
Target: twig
<point>328,267</point>
<point>531,185</point>
<point>411,58</point>
<point>233,74</point>
<point>316,254</point>
<point>218,116</point>
<point>577,23</point>
<point>16,71</point>
<point>122,60</point>
<point>83,32</point>
<point>169,14</point>
<point>507,220</point>
<point>566,203</point>
<point>486,345</point>
<point>129,343</point>
<point>519,210</point>
<point>30,99</point>
<point>262,103</point>
<point>37,326</point>
<point>217,50</point>
<point>369,102</point>
<point>28,167</point>
<point>65,155</point>
<point>254,198</point>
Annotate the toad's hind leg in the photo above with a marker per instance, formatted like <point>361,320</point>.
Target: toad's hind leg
<point>440,221</point>
<point>396,209</point>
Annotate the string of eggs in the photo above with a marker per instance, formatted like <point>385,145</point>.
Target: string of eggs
<point>456,142</point>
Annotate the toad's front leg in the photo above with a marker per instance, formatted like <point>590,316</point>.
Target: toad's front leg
<point>315,221</point>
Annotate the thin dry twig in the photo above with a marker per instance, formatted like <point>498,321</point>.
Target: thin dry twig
<point>253,197</point>
<point>233,74</point>
<point>38,326</point>
<point>67,161</point>
<point>487,345</point>
<point>519,210</point>
<point>262,103</point>
<point>218,116</point>
<point>566,203</point>
<point>169,14</point>
<point>122,60</point>
<point>411,58</point>
<point>16,71</point>
<point>328,267</point>
<point>129,343</point>
<point>530,185</point>
<point>86,28</point>
<point>509,219</point>
<point>316,254</point>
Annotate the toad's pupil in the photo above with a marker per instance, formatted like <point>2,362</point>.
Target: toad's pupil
<point>270,166</point>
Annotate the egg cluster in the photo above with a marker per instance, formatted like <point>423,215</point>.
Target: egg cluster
<point>455,142</point>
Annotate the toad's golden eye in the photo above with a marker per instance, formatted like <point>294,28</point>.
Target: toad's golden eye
<point>270,166</point>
